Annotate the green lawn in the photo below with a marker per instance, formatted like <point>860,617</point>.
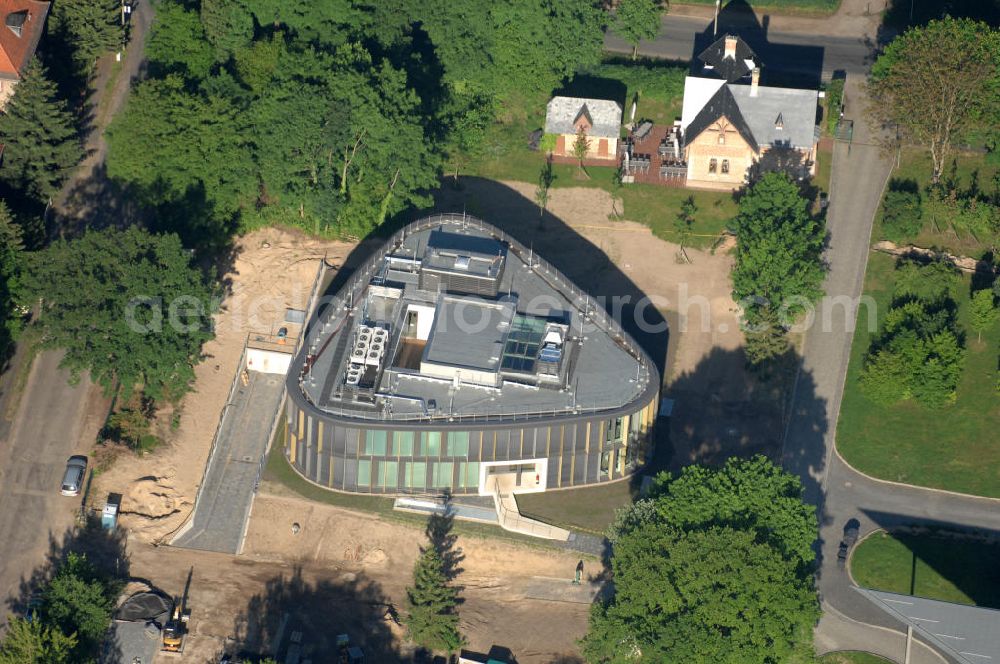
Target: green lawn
<point>954,448</point>
<point>916,165</point>
<point>851,657</point>
<point>590,509</point>
<point>935,566</point>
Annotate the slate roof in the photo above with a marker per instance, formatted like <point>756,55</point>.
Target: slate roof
<point>562,113</point>
<point>26,17</point>
<point>755,117</point>
<point>721,104</point>
<point>729,69</point>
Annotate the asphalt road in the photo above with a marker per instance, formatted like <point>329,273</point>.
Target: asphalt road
<point>55,421</point>
<point>784,50</point>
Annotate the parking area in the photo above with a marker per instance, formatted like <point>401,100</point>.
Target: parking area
<point>223,503</point>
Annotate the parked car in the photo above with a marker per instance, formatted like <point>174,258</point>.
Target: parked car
<point>851,531</point>
<point>76,469</point>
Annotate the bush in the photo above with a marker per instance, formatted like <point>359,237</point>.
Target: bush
<point>919,352</point>
<point>834,99</point>
<point>902,216</point>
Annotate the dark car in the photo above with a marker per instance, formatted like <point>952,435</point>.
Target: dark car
<point>851,531</point>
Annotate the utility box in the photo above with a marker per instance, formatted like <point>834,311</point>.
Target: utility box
<point>109,516</point>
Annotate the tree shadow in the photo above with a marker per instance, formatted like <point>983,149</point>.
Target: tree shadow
<point>105,550</point>
<point>295,615</point>
<point>442,539</point>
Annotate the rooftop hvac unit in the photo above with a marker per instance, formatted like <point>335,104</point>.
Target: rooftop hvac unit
<point>355,366</point>
<point>358,355</point>
<point>373,359</point>
<point>381,334</point>
<point>365,329</point>
<point>353,379</point>
<point>376,347</point>
<point>364,338</point>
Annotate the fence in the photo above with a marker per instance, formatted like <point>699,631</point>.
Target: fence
<point>593,314</point>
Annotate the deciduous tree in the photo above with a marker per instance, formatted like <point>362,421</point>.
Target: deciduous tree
<point>40,140</point>
<point>982,312</point>
<point>636,20</point>
<point>937,81</point>
<point>715,594</point>
<point>32,642</point>
<point>126,305</point>
<point>779,268</point>
<point>78,601</point>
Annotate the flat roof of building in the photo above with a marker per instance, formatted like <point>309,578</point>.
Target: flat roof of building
<point>390,348</point>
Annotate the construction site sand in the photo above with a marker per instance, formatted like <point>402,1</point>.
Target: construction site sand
<point>350,549</point>
<point>273,270</point>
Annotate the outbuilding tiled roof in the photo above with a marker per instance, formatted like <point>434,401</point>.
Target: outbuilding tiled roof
<point>21,26</point>
<point>563,112</point>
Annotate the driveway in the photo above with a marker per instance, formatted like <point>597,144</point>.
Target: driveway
<point>226,494</point>
<point>55,421</point>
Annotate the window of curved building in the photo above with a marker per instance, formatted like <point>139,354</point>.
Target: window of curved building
<point>458,443</point>
<point>388,474</point>
<point>376,442</point>
<point>364,472</point>
<point>415,474</point>
<point>442,474</point>
<point>402,443</point>
<point>468,474</point>
<point>431,444</point>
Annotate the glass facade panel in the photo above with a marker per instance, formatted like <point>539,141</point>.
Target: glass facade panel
<point>468,474</point>
<point>415,475</point>
<point>443,473</point>
<point>458,443</point>
<point>403,443</point>
<point>388,472</point>
<point>376,442</point>
<point>431,444</point>
<point>364,472</point>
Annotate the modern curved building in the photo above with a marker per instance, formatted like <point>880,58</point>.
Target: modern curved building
<point>455,356</point>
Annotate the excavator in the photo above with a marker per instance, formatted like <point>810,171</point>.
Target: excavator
<point>175,630</point>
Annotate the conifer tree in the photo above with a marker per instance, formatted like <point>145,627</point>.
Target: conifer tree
<point>92,27</point>
<point>41,144</point>
<point>10,249</point>
<point>433,620</point>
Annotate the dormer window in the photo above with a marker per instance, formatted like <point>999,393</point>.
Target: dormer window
<point>779,122</point>
<point>16,20</point>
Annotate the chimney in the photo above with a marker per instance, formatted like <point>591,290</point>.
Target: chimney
<point>730,47</point>
<point>754,81</point>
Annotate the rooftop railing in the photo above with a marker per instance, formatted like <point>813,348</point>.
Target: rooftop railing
<point>352,295</point>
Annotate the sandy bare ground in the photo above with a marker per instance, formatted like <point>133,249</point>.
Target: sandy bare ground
<point>342,571</point>
<point>273,270</point>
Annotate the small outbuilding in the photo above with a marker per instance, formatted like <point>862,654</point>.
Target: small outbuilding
<point>599,119</point>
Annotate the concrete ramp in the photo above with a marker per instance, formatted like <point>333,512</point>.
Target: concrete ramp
<point>223,504</point>
<point>510,518</point>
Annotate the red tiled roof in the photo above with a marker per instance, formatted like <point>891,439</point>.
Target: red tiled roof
<point>15,50</point>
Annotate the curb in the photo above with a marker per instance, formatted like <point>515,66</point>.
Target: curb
<point>917,487</point>
<point>826,606</point>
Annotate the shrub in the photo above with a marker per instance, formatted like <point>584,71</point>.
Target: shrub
<point>902,216</point>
